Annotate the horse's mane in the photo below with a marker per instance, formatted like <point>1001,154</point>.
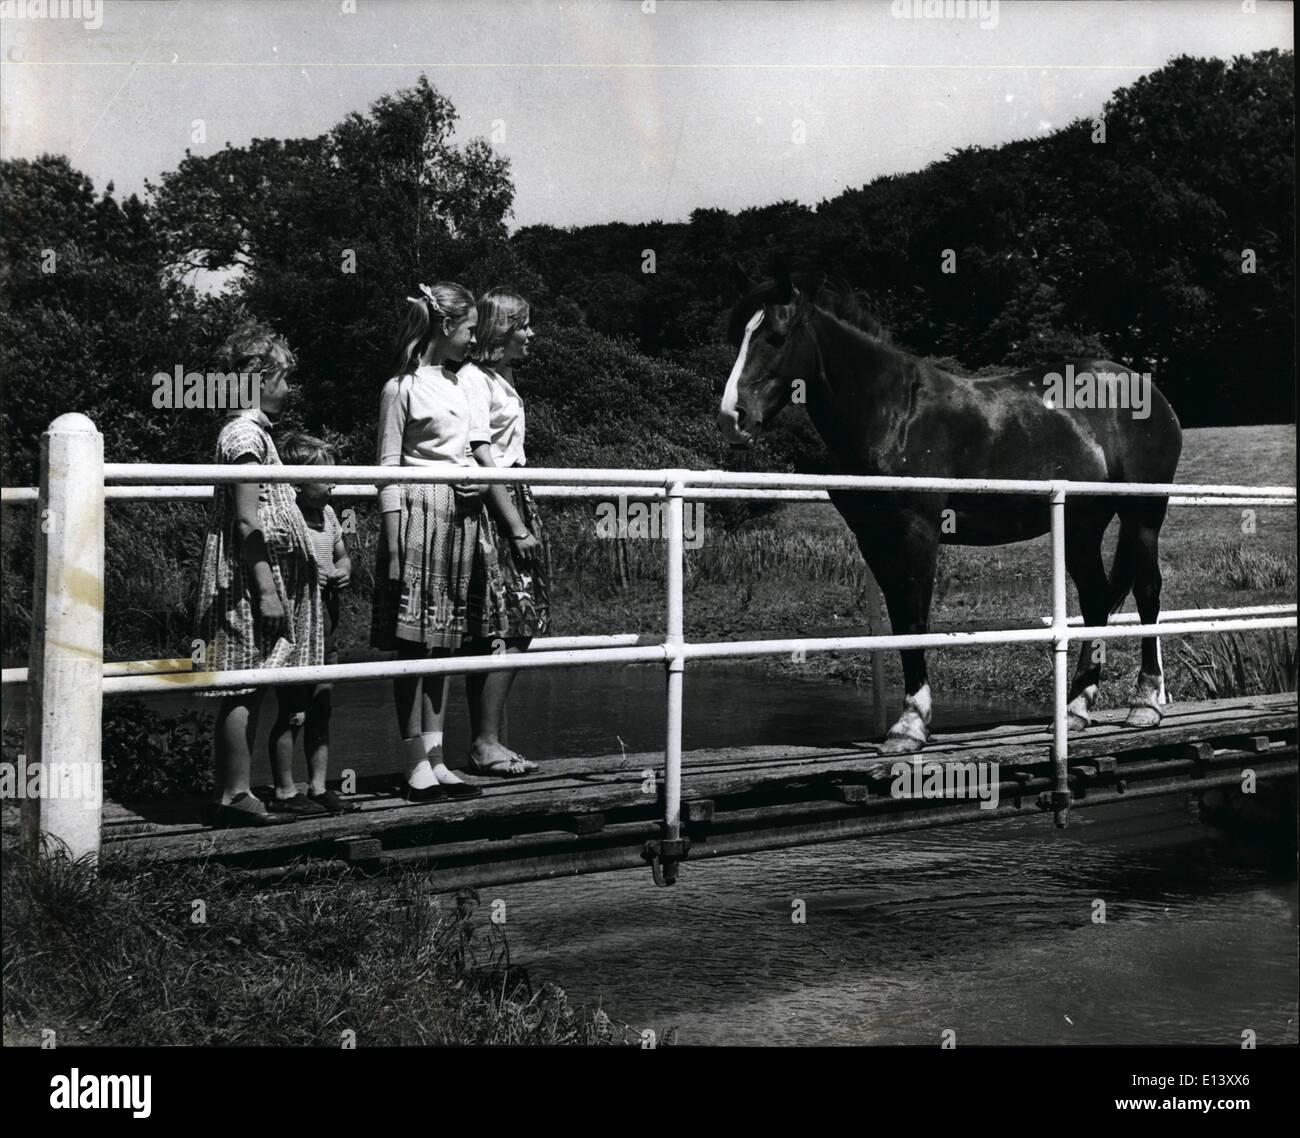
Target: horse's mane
<point>832,294</point>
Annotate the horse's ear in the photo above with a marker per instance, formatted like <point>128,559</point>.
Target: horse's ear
<point>740,278</point>
<point>781,272</point>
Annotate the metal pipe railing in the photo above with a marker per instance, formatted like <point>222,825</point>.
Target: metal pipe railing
<point>151,481</point>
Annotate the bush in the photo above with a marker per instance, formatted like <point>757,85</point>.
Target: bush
<point>147,755</point>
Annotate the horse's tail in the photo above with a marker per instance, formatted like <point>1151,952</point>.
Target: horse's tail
<point>1123,570</point>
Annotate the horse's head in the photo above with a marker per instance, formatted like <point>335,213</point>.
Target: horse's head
<point>768,328</point>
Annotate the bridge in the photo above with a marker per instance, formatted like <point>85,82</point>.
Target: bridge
<point>662,809</point>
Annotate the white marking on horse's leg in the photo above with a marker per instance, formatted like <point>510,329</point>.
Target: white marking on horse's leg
<point>912,731</point>
<point>1145,710</point>
<point>1078,712</point>
<point>731,394</point>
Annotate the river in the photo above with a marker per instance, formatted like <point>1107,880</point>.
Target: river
<point>987,931</point>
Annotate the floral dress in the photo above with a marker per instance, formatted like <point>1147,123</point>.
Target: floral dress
<point>226,616</point>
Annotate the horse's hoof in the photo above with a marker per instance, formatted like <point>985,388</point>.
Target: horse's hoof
<point>901,745</point>
<point>1143,715</point>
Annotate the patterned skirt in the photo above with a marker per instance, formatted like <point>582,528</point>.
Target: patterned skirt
<point>227,621</point>
<point>450,585</point>
<point>528,594</point>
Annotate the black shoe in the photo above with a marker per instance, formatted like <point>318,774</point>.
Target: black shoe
<point>432,793</point>
<point>461,790</point>
<point>333,803</point>
<point>299,804</point>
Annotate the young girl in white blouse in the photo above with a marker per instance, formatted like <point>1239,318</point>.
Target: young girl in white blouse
<point>437,579</point>
<point>502,338</point>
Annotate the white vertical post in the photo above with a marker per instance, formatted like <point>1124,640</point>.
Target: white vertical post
<point>1060,663</point>
<point>676,663</point>
<point>65,693</point>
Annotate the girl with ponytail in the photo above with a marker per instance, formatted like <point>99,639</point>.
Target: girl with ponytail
<point>437,579</point>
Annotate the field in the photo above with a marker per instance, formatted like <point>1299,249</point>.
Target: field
<point>797,572</point>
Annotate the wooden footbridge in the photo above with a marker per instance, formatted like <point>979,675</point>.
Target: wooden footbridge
<point>587,815</point>
<point>664,808</point>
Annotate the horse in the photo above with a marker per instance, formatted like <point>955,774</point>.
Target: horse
<point>883,411</point>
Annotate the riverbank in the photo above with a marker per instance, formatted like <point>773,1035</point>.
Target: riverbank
<point>136,957</point>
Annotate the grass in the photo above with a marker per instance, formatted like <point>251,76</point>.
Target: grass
<point>798,572</point>
<point>1231,666</point>
<point>134,956</point>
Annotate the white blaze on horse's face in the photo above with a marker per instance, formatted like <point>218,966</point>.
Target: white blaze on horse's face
<point>728,418</point>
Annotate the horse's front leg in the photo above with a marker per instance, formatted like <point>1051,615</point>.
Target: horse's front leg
<point>905,568</point>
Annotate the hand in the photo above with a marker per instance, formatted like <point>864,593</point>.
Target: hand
<point>469,497</point>
<point>271,612</point>
<point>394,567</point>
<point>524,546</point>
<point>342,576</point>
<point>322,577</point>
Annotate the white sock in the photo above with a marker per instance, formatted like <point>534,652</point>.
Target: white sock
<point>433,750</point>
<point>419,772</point>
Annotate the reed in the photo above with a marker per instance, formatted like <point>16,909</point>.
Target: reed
<point>1239,664</point>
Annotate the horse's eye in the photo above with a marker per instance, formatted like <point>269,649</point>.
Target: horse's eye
<point>776,339</point>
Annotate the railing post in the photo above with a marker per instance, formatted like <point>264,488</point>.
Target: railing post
<point>665,854</point>
<point>1060,663</point>
<point>65,677</point>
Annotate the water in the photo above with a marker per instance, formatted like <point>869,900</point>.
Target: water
<point>587,711</point>
<point>984,930</point>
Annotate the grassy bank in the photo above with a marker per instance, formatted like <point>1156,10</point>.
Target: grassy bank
<point>186,955</point>
<point>798,572</point>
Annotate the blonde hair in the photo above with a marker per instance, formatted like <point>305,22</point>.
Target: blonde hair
<point>446,300</point>
<point>501,313</point>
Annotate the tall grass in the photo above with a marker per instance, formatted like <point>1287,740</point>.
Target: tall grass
<point>1240,664</point>
<point>1243,567</point>
<point>119,958</point>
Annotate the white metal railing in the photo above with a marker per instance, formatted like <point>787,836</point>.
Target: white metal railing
<point>64,722</point>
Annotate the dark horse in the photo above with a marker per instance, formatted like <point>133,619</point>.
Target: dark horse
<point>882,411</point>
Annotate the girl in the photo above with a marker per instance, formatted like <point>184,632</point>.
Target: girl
<point>502,337</point>
<point>437,579</point>
<point>334,566</point>
<point>259,604</point>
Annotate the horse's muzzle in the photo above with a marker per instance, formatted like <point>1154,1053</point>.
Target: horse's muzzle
<point>729,425</point>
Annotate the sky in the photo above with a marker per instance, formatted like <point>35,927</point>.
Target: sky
<point>607,110</point>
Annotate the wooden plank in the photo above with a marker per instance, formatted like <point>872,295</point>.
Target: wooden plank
<point>577,791</point>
